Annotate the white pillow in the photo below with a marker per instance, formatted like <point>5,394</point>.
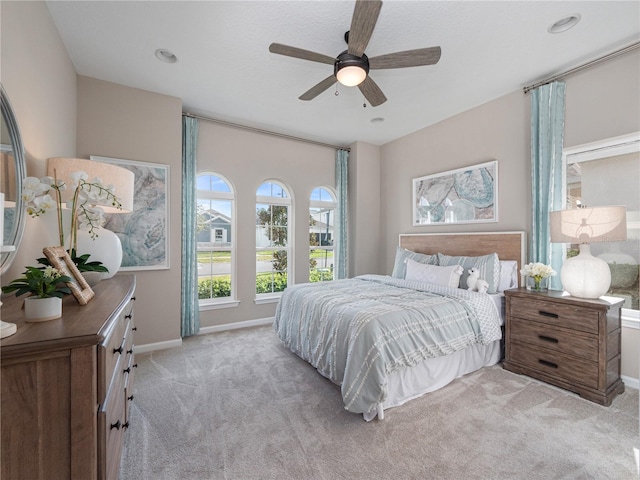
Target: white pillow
<point>449,276</point>
<point>508,275</point>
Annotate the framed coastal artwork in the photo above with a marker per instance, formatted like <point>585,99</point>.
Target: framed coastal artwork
<point>464,195</point>
<point>144,232</point>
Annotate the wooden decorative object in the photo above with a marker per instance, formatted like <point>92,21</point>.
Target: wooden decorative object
<point>61,260</point>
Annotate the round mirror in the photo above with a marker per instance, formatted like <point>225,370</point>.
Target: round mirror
<point>12,171</point>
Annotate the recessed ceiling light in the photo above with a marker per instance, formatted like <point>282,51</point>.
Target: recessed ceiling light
<point>166,56</point>
<point>565,23</point>
<point>377,120</point>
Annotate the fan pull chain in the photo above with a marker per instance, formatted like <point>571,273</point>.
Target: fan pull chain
<point>337,92</point>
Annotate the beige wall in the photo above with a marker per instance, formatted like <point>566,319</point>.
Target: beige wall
<point>40,81</point>
<point>498,130</point>
<point>364,210</point>
<point>122,122</point>
<point>247,159</point>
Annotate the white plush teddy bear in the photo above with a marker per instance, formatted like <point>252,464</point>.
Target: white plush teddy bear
<point>475,283</point>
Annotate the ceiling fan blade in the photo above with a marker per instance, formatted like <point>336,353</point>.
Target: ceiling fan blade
<point>409,58</point>
<point>300,53</point>
<point>372,92</point>
<point>365,16</point>
<point>317,89</point>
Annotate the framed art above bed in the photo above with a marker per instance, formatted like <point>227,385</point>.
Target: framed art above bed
<point>464,195</point>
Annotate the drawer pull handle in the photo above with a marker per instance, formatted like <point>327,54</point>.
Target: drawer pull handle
<point>133,299</point>
<point>118,350</point>
<point>130,398</point>
<point>547,314</point>
<point>547,364</point>
<point>127,317</point>
<point>127,370</point>
<point>134,329</point>
<point>116,425</point>
<point>130,351</point>
<point>548,339</point>
<point>135,365</point>
<point>125,425</point>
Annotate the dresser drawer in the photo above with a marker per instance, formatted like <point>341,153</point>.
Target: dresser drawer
<point>111,428</point>
<point>112,349</point>
<point>579,344</point>
<point>571,369</point>
<point>556,314</point>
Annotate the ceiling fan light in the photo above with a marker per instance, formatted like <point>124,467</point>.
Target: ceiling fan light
<point>351,75</point>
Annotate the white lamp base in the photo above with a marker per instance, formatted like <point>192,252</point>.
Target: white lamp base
<point>105,248</point>
<point>585,276</point>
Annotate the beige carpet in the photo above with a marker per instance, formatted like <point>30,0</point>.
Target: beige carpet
<point>238,405</point>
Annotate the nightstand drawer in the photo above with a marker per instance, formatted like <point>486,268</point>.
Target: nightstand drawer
<point>556,314</point>
<point>541,335</point>
<point>571,369</point>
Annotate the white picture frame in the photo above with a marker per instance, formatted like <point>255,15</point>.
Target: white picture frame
<point>144,232</point>
<point>463,195</point>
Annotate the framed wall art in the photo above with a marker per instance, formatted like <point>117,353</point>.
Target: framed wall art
<point>144,232</point>
<point>464,195</point>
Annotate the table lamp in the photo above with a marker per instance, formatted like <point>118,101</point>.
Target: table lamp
<point>586,276</point>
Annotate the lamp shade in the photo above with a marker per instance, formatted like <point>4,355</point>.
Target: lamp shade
<point>122,179</point>
<point>589,225</point>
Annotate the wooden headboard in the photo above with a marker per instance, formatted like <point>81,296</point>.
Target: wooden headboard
<point>508,245</point>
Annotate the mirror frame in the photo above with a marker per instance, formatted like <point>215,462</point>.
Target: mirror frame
<point>6,258</point>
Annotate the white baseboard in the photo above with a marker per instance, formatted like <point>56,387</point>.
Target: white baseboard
<point>234,326</point>
<point>151,347</point>
<point>631,382</point>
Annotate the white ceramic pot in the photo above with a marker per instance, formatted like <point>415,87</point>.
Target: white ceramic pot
<point>38,309</point>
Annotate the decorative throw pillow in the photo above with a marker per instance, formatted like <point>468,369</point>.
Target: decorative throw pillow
<point>449,276</point>
<point>487,265</point>
<point>402,254</point>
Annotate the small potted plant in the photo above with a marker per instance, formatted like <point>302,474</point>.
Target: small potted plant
<point>47,286</point>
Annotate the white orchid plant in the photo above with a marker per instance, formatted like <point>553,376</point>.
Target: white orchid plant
<point>42,195</point>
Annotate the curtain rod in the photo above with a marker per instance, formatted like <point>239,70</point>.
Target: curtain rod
<point>266,132</point>
<point>584,66</point>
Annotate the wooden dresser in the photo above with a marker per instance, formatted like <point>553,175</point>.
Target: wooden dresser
<point>569,342</point>
<point>66,386</point>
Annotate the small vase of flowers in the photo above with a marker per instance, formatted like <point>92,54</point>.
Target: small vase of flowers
<point>537,276</point>
<point>47,286</point>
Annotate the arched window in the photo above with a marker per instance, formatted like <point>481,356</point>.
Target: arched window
<point>322,212</point>
<point>215,237</point>
<point>273,238</point>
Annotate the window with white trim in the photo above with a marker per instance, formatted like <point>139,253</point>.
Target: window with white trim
<point>274,227</point>
<point>215,239</point>
<point>322,213</point>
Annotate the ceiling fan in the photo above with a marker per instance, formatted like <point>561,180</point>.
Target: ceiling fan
<point>352,66</point>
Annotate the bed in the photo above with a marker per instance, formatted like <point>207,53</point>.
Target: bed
<point>387,339</point>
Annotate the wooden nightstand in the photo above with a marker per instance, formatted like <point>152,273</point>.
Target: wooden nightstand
<point>573,343</point>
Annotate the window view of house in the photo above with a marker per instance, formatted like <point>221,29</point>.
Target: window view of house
<point>215,200</point>
<point>272,238</point>
<point>322,210</point>
<point>609,177</point>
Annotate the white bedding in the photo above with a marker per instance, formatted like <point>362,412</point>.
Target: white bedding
<point>434,373</point>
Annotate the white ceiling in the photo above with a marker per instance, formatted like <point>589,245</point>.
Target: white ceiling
<point>225,70</point>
